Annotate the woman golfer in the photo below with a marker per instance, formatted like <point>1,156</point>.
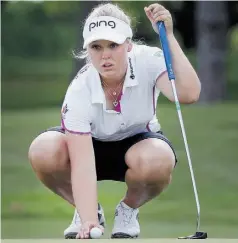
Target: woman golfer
<point>109,128</point>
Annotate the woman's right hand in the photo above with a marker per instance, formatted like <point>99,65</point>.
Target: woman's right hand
<point>84,231</point>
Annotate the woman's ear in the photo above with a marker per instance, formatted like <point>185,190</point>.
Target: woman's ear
<point>129,46</point>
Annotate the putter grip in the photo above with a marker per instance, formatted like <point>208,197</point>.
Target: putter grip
<point>165,47</point>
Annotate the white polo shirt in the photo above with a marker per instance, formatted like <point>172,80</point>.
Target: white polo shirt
<point>84,107</point>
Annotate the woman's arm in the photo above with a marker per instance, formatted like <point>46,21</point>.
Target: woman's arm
<point>76,120</point>
<point>83,175</point>
<point>187,82</point>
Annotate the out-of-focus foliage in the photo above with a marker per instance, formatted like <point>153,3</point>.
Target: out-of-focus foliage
<point>140,23</point>
<point>38,29</point>
<point>38,39</point>
<point>49,28</point>
<point>234,38</point>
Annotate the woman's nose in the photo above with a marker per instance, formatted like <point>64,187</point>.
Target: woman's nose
<point>106,53</point>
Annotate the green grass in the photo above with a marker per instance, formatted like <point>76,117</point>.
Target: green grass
<point>32,93</point>
<point>34,83</point>
<point>29,210</point>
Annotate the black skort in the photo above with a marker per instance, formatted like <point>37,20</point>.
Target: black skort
<point>110,156</point>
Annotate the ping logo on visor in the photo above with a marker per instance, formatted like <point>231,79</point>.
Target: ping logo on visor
<point>106,28</point>
<point>110,23</point>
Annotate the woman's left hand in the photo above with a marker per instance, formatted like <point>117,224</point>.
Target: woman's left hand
<point>156,12</point>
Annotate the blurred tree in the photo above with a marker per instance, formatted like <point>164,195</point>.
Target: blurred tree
<point>140,24</point>
<point>184,23</point>
<point>211,33</point>
<point>3,5</point>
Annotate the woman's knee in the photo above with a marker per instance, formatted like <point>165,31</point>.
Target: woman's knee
<point>152,160</point>
<point>48,152</point>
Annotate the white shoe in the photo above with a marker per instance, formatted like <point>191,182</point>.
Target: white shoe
<point>126,223</point>
<point>72,230</point>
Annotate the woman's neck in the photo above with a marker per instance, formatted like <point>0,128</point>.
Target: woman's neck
<point>114,81</point>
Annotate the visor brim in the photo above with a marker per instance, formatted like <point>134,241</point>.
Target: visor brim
<point>117,38</point>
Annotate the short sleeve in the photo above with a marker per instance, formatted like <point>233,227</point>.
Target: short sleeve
<point>154,62</point>
<point>76,110</point>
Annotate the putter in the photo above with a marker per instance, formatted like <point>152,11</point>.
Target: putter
<point>165,47</point>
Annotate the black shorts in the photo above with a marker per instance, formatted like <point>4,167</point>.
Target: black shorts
<point>110,156</point>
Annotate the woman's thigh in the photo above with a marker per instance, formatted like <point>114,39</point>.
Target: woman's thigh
<point>151,159</point>
<point>151,144</point>
<point>109,156</point>
<point>48,151</point>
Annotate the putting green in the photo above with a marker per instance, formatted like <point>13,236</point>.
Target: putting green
<point>120,241</point>
<point>30,211</point>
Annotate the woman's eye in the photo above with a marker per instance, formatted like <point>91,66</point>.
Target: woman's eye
<point>114,45</point>
<point>96,47</point>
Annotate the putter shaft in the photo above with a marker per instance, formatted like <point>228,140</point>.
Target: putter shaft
<point>187,152</point>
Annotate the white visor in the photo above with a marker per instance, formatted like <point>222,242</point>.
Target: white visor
<point>106,28</point>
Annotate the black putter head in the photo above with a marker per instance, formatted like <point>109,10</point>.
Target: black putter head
<point>197,235</point>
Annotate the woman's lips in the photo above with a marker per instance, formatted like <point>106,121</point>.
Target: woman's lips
<point>107,66</point>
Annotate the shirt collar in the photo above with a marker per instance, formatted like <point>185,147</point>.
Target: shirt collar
<point>97,93</point>
<point>130,80</point>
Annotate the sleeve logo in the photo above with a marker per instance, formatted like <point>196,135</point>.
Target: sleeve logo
<point>64,111</point>
<point>158,53</point>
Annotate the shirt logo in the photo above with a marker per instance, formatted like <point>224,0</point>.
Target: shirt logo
<point>132,76</point>
<point>110,23</point>
<point>158,53</point>
<point>64,111</point>
<point>83,69</point>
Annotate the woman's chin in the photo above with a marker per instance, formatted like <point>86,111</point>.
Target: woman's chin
<point>108,74</point>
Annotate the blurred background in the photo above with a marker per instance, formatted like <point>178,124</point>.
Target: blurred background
<point>37,65</point>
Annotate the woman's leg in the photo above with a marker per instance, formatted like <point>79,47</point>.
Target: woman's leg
<point>150,165</point>
<point>48,155</point>
<point>150,160</point>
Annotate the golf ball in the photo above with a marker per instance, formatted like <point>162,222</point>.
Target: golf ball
<point>95,233</point>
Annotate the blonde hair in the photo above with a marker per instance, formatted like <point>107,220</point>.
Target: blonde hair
<point>107,9</point>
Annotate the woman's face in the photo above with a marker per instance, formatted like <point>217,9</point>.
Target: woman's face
<point>109,58</point>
